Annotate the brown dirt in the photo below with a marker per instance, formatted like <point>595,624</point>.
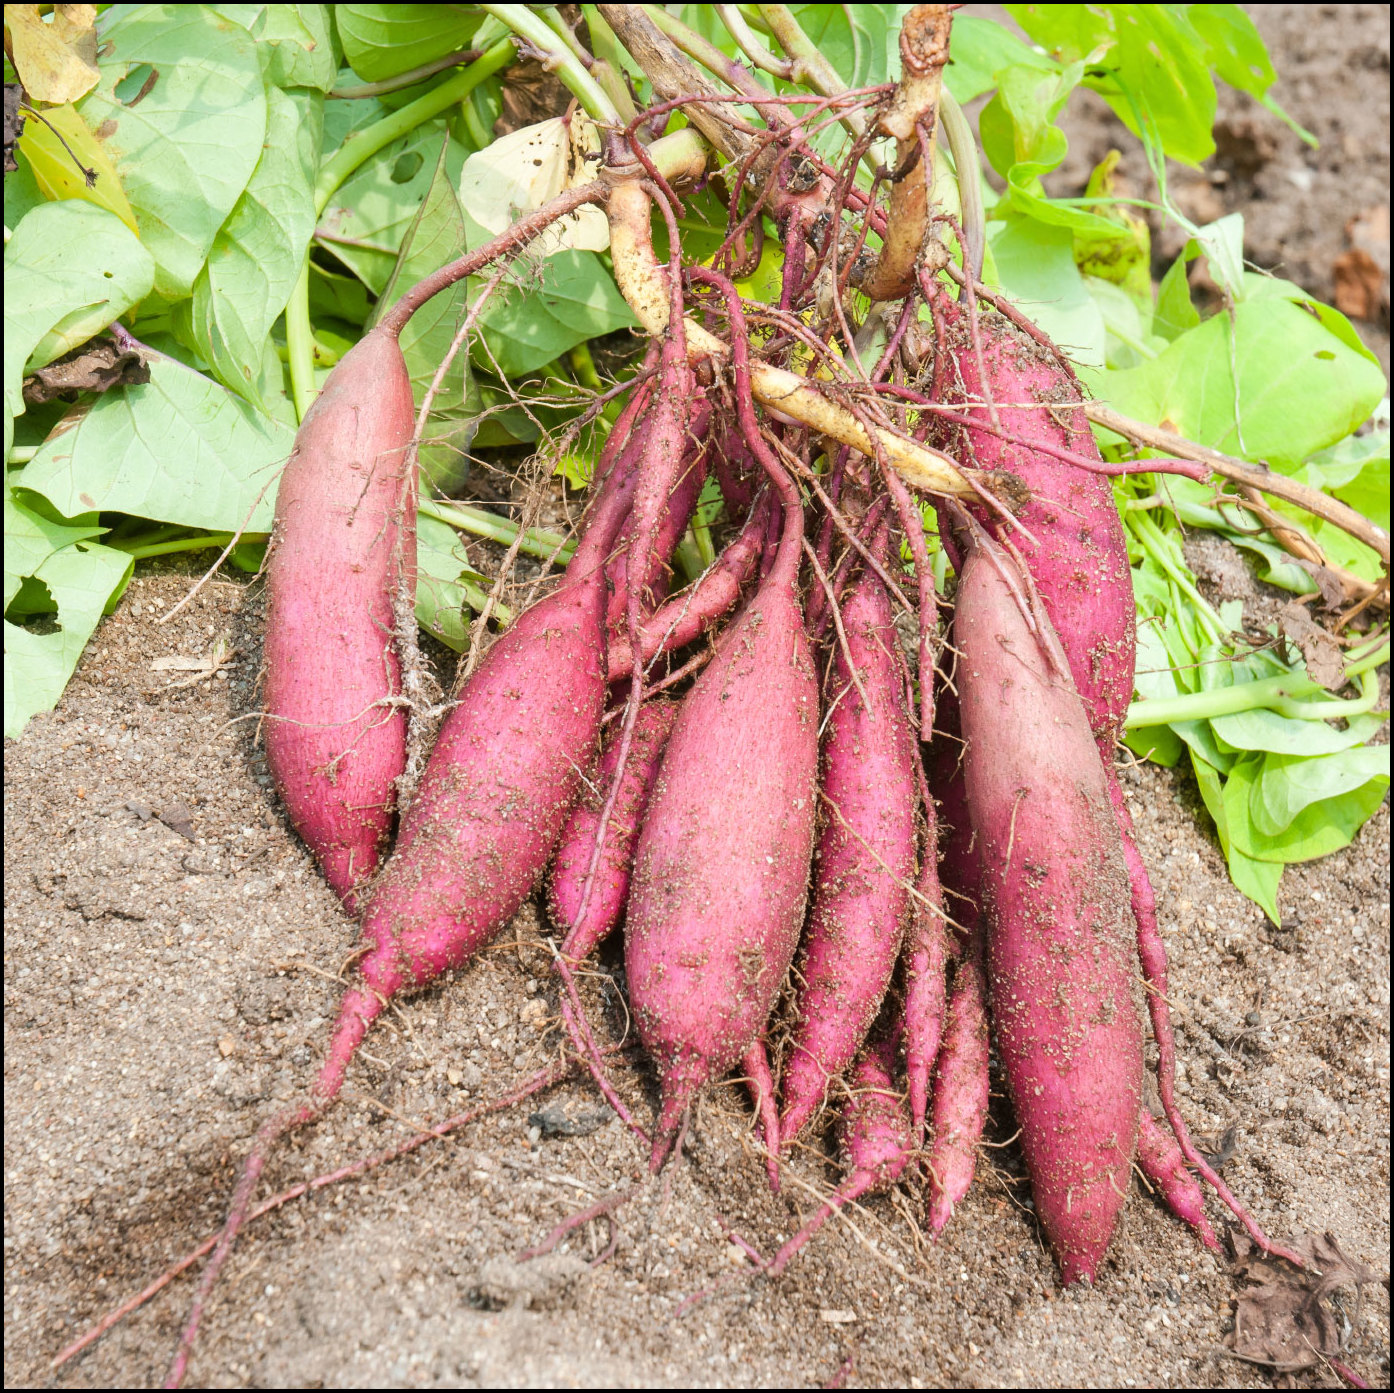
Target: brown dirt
<point>163,991</point>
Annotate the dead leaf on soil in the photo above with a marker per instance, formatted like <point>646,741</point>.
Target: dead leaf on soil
<point>95,367</point>
<point>1362,273</point>
<point>1281,1321</point>
<point>178,818</point>
<point>57,61</point>
<point>1321,651</point>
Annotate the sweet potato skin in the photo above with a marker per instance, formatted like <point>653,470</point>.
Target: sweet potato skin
<point>569,870</point>
<point>960,1094</point>
<point>865,859</point>
<point>344,540</point>
<point>1079,561</point>
<point>721,871</point>
<point>498,787</point>
<point>1061,951</point>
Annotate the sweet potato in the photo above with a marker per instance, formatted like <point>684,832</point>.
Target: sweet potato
<point>672,524</point>
<point>960,1092</point>
<point>865,859</point>
<point>676,622</point>
<point>575,851</point>
<point>1061,952</point>
<point>1161,1162</point>
<point>1079,559</point>
<point>721,871</point>
<point>875,1134</point>
<point>496,790</point>
<point>344,540</point>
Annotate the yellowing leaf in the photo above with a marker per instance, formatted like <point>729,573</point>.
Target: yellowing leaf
<point>522,170</point>
<point>56,62</point>
<point>56,170</point>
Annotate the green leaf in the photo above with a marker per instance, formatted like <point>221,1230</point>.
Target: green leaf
<point>1017,126</point>
<point>1236,52</point>
<point>441,565</point>
<point>294,41</point>
<point>180,449</point>
<point>1299,387</point>
<point>1267,730</point>
<point>257,255</point>
<point>862,42</point>
<point>1036,267</point>
<point>71,268</point>
<point>1259,880</point>
<point>182,108</point>
<point>1175,313</point>
<point>22,191</point>
<point>435,237</point>
<point>1147,61</point>
<point>1291,784</point>
<point>381,41</point>
<point>978,50</point>
<point>1319,827</point>
<point>80,576</point>
<point>375,208</point>
<point>573,298</point>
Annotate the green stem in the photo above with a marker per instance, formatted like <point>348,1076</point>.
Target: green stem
<point>356,151</point>
<point>563,62</point>
<point>300,344</point>
<point>361,146</point>
<point>406,79</point>
<point>212,541</point>
<point>476,599</point>
<point>546,546</point>
<point>1162,550</point>
<point>958,135</point>
<point>1286,694</point>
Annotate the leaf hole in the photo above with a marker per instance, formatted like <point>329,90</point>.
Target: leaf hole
<point>136,85</point>
<point>407,167</point>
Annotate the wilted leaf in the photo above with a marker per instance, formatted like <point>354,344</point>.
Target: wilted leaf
<point>57,61</point>
<point>521,171</point>
<point>70,269</point>
<point>95,367</point>
<point>1282,1321</point>
<point>60,165</point>
<point>1320,650</point>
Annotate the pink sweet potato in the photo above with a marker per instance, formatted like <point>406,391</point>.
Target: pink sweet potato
<point>1061,954</point>
<point>672,524</point>
<point>496,791</point>
<point>875,1134</point>
<point>676,622</point>
<point>721,871</point>
<point>344,541</point>
<point>577,846</point>
<point>960,1092</point>
<point>1161,1161</point>
<point>865,859</point>
<point>1079,560</point>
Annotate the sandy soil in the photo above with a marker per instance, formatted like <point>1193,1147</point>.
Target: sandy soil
<point>169,960</point>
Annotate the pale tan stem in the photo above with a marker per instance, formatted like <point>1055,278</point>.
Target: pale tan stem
<point>643,283</point>
<point>924,50</point>
<point>1250,475</point>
